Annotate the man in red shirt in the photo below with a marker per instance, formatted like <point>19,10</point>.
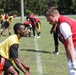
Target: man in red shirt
<point>67,27</point>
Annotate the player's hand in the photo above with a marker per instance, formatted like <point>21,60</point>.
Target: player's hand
<point>27,68</point>
<point>27,73</point>
<point>54,30</point>
<point>74,65</point>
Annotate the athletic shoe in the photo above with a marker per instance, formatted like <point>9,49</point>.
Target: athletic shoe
<point>38,36</point>
<point>55,52</point>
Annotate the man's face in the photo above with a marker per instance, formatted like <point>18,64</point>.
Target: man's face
<point>22,31</point>
<point>50,19</point>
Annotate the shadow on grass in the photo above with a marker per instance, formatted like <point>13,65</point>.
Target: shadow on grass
<point>32,50</point>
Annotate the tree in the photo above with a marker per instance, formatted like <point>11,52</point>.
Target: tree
<point>73,7</point>
<point>64,6</point>
<point>38,7</point>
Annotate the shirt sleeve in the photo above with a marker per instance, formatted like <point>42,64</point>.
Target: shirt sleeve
<point>65,30</point>
<point>14,51</point>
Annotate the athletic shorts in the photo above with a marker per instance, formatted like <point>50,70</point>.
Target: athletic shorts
<point>5,24</point>
<point>7,64</point>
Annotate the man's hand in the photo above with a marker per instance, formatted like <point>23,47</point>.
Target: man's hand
<point>53,29</point>
<point>27,73</point>
<point>27,68</point>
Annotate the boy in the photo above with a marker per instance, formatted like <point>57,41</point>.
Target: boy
<point>9,53</point>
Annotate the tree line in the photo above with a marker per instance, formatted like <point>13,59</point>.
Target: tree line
<point>38,7</point>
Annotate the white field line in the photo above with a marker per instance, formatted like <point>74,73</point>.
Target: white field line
<point>38,58</point>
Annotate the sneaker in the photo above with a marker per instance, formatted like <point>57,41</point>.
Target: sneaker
<point>55,52</point>
<point>38,36</point>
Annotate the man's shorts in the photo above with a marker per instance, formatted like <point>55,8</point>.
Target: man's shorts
<point>5,24</point>
<point>7,64</point>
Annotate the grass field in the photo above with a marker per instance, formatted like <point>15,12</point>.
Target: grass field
<point>35,52</point>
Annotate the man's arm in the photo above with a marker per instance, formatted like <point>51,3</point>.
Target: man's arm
<point>67,34</point>
<point>70,48</point>
<point>70,51</point>
<point>14,56</point>
<point>21,67</point>
<point>26,67</point>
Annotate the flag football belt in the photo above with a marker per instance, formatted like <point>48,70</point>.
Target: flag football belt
<point>2,65</point>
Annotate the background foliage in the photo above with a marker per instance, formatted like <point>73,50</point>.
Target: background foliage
<point>38,7</point>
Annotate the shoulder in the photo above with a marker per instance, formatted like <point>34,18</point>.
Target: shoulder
<point>14,39</point>
<point>65,30</point>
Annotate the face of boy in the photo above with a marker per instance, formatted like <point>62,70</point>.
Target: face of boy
<point>22,31</point>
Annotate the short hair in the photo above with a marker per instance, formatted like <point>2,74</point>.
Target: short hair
<point>27,17</point>
<point>16,27</point>
<point>51,10</point>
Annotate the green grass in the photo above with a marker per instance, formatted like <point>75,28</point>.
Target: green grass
<point>51,64</point>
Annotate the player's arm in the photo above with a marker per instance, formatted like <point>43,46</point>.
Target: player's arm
<point>25,66</point>
<point>14,55</point>
<point>66,32</point>
<point>21,66</point>
<point>70,48</point>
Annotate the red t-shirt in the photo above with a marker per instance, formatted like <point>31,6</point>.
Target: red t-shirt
<point>33,20</point>
<point>72,24</point>
<point>26,23</point>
